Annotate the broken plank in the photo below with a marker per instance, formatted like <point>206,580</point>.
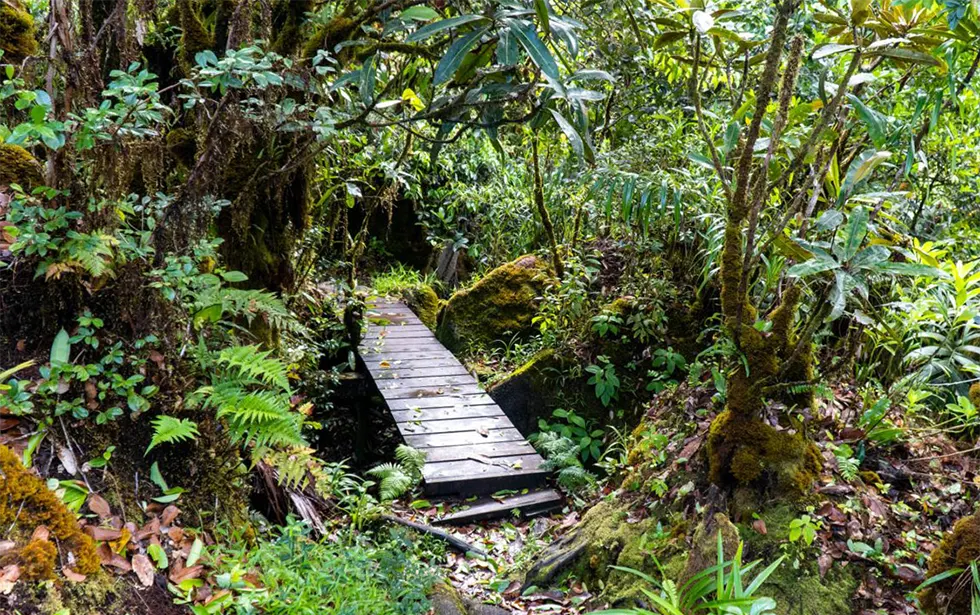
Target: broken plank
<point>528,504</point>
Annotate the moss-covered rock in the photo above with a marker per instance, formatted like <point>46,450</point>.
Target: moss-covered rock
<point>704,545</point>
<point>528,394</point>
<point>958,549</point>
<point>16,35</point>
<point>17,166</point>
<point>424,301</point>
<point>498,306</point>
<point>606,536</point>
<point>26,503</point>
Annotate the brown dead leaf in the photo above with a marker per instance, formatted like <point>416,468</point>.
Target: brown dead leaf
<point>157,358</point>
<point>176,534</point>
<point>192,572</point>
<point>41,533</point>
<point>760,526</point>
<point>73,576</point>
<point>99,505</point>
<point>150,529</point>
<point>169,514</point>
<point>102,534</point>
<point>6,545</point>
<point>143,568</point>
<point>8,576</point>
<point>824,562</point>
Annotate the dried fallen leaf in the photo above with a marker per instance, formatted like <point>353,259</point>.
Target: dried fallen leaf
<point>760,526</point>
<point>98,505</point>
<point>6,545</point>
<point>41,533</point>
<point>150,529</point>
<point>67,459</point>
<point>73,576</point>
<point>143,568</point>
<point>191,572</point>
<point>8,576</point>
<point>483,431</point>
<point>169,514</point>
<point>100,534</point>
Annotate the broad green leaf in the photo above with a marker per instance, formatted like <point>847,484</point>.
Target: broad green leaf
<point>527,36</point>
<point>434,28</point>
<point>818,264</point>
<point>860,169</point>
<point>592,75</point>
<point>908,55</point>
<point>828,220</point>
<point>158,555</point>
<point>873,120</point>
<point>60,348</point>
<point>574,138</point>
<point>419,13</point>
<point>870,257</point>
<point>855,232</point>
<point>234,276</point>
<point>506,49</point>
<point>454,55</point>
<point>197,548</point>
<point>828,50</point>
<point>912,269</point>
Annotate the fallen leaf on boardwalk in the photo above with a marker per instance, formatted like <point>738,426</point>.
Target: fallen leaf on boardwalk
<point>98,505</point>
<point>144,569</point>
<point>73,576</point>
<point>518,465</point>
<point>384,365</point>
<point>483,431</point>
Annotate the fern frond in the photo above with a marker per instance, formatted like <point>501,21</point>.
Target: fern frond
<point>249,304</point>
<point>168,430</point>
<point>393,480</point>
<point>412,459</point>
<point>253,363</point>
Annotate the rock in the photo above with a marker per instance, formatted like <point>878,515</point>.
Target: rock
<point>606,536</point>
<point>424,302</point>
<point>447,601</point>
<point>526,395</point>
<point>704,547</point>
<point>497,307</point>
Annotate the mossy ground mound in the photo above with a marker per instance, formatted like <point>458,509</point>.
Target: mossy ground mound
<point>497,307</point>
<point>26,504</point>
<point>424,301</point>
<point>17,166</point>
<point>16,35</point>
<point>958,549</point>
<point>761,455</point>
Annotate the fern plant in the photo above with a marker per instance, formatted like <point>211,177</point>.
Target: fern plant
<point>250,392</point>
<point>170,430</point>
<point>562,456</point>
<point>397,478</point>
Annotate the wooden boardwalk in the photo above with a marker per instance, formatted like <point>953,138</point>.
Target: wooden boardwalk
<point>471,446</point>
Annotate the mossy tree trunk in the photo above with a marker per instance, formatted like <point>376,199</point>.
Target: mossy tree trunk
<point>742,448</point>
<point>549,228</point>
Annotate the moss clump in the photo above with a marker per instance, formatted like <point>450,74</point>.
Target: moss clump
<point>749,451</point>
<point>182,145</point>
<point>958,549</point>
<point>605,537</point>
<point>16,35</point>
<point>289,18</point>
<point>975,394</point>
<point>37,559</point>
<point>194,37</point>
<point>25,504</point>
<point>704,545</point>
<point>17,166</point>
<point>498,306</point>
<point>424,302</point>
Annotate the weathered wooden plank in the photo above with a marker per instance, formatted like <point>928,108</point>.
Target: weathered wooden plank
<point>398,333</point>
<point>463,438</point>
<point>426,359</point>
<point>440,414</point>
<point>474,470</point>
<point>529,504</point>
<point>442,401</point>
<point>385,373</point>
<point>485,484</point>
<point>385,345</point>
<point>432,391</point>
<point>490,449</point>
<point>453,425</point>
<point>391,384</point>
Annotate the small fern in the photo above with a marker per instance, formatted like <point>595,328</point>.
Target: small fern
<point>170,430</point>
<point>393,480</point>
<point>255,363</point>
<point>396,479</point>
<point>412,459</point>
<point>249,304</point>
